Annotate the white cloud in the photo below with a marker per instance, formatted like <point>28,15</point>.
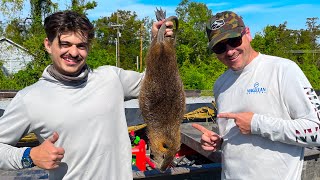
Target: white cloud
<point>209,5</point>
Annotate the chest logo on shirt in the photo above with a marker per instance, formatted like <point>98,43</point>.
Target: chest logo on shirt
<point>257,89</point>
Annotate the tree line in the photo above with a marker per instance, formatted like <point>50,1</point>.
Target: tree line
<point>198,67</point>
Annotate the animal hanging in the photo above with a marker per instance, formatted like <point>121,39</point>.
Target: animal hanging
<point>162,96</point>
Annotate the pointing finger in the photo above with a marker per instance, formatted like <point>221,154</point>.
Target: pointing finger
<point>227,115</point>
<point>201,128</point>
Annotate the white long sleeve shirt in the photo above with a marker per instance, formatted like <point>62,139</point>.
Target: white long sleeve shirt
<point>90,121</point>
<point>286,119</point>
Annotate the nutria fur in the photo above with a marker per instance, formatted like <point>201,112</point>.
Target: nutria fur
<point>162,100</point>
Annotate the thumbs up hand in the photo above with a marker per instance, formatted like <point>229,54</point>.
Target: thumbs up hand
<point>47,155</point>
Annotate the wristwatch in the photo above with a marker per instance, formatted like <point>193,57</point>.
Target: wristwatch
<point>26,159</point>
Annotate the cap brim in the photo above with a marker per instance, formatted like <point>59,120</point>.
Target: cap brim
<point>226,35</point>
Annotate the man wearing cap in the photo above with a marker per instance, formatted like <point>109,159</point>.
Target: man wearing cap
<point>267,109</point>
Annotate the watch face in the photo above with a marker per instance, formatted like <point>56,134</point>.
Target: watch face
<point>26,163</point>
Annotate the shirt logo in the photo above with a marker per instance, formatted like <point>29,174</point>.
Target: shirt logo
<point>217,24</point>
<point>256,89</point>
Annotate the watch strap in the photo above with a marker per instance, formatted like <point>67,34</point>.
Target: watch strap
<point>26,152</point>
<point>26,159</point>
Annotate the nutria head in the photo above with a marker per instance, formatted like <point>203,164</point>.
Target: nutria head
<point>164,145</point>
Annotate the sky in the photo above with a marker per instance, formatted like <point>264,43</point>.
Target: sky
<point>256,14</point>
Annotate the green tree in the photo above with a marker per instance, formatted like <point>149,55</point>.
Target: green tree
<point>191,35</point>
<point>275,40</point>
<point>82,6</point>
<point>299,46</point>
<point>14,31</point>
<point>99,57</point>
<point>314,29</point>
<point>199,68</point>
<point>130,29</point>
<point>1,28</point>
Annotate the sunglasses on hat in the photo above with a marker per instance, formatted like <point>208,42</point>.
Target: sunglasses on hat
<point>221,47</point>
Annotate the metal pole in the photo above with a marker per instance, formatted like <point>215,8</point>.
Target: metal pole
<point>116,52</point>
<point>141,47</point>
<point>118,41</point>
<point>137,63</point>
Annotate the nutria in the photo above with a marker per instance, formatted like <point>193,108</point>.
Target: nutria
<point>162,97</point>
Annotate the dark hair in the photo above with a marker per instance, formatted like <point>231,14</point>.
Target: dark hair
<point>68,21</point>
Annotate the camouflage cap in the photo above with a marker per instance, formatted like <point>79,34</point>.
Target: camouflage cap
<point>222,26</point>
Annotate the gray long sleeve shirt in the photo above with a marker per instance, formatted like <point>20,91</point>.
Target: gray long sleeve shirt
<point>90,120</point>
<point>286,119</point>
